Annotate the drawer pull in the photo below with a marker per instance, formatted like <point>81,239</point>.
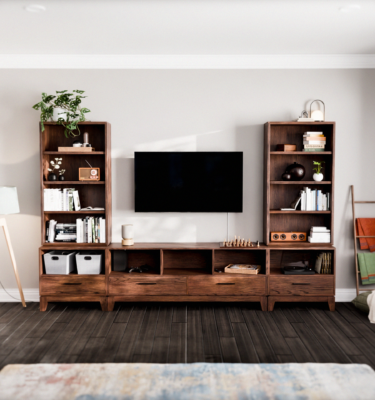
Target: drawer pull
<point>298,284</point>
<point>146,283</point>
<point>225,283</point>
<point>72,283</point>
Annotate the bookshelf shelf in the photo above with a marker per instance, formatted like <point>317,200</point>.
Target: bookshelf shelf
<point>76,212</point>
<point>73,182</point>
<point>300,183</point>
<point>74,153</point>
<point>296,212</point>
<point>305,153</point>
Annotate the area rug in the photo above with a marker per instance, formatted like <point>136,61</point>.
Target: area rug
<point>187,381</point>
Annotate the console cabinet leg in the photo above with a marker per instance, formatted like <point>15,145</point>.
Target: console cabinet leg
<point>271,303</point>
<point>331,303</point>
<point>103,304</point>
<point>43,304</point>
<point>263,303</point>
<point>110,303</point>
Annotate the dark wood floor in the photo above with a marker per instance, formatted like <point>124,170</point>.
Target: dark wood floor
<point>80,333</point>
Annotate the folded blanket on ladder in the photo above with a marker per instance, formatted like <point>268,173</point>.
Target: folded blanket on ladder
<point>366,227</point>
<point>367,267</point>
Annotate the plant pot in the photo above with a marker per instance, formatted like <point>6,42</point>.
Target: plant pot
<point>318,177</point>
<point>59,113</point>
<point>61,178</point>
<point>52,177</point>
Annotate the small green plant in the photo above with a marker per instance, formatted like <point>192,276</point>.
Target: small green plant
<point>318,166</point>
<point>70,103</point>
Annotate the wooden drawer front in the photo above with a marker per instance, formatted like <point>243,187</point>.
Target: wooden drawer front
<point>227,286</point>
<point>73,284</point>
<point>150,286</point>
<point>301,285</point>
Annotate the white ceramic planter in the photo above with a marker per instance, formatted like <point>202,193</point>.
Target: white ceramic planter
<point>318,177</point>
<point>57,115</point>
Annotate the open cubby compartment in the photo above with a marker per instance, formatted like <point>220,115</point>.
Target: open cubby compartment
<point>282,257</point>
<point>124,260</point>
<point>185,262</point>
<point>222,258</point>
<point>72,162</point>
<point>70,218</point>
<point>293,134</point>
<point>281,196</point>
<point>53,136</point>
<point>299,223</point>
<point>70,250</point>
<point>279,162</point>
<point>89,194</point>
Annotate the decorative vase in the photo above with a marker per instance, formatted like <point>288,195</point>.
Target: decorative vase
<point>52,177</point>
<point>59,113</point>
<point>286,176</point>
<point>318,177</point>
<point>61,178</point>
<point>297,171</point>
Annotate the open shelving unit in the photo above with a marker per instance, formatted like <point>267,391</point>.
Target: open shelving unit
<point>74,287</point>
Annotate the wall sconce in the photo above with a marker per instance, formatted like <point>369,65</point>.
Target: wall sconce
<point>318,115</point>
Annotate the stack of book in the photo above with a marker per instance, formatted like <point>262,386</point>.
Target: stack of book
<point>319,234</point>
<point>66,233</point>
<point>314,141</point>
<point>323,264</point>
<point>91,230</point>
<point>61,200</point>
<point>310,200</point>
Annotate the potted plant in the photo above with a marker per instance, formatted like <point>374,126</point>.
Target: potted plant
<point>55,165</point>
<point>318,176</point>
<point>64,108</point>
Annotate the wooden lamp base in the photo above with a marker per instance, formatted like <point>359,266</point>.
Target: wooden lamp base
<point>127,242</point>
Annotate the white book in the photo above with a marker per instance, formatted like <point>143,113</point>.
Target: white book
<point>312,133</point>
<point>308,199</point>
<point>313,200</point>
<point>314,142</point>
<point>328,201</point>
<point>319,229</point>
<point>320,235</point>
<point>45,200</point>
<point>79,230</point>
<point>314,146</point>
<point>77,204</point>
<point>102,230</point>
<point>52,230</point>
<point>89,230</point>
<point>318,200</point>
<point>311,240</point>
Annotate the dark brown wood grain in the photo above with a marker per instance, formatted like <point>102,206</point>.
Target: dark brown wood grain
<point>301,285</point>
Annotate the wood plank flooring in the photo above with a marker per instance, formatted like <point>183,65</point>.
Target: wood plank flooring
<point>185,333</point>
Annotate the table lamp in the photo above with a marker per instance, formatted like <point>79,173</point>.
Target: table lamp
<point>9,205</point>
<point>318,115</point>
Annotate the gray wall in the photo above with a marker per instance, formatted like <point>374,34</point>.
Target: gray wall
<point>186,110</point>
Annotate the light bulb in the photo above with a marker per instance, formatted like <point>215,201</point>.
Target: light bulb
<point>317,115</point>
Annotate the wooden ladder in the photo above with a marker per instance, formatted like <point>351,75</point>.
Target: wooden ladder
<point>357,272</point>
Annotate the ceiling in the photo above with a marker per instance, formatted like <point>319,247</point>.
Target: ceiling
<point>201,27</point>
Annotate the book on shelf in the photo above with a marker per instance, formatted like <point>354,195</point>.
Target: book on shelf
<point>310,200</point>
<point>61,200</point>
<point>91,230</point>
<point>92,208</point>
<point>323,263</point>
<point>314,141</point>
<point>319,234</point>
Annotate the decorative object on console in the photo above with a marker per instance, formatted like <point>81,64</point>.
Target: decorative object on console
<point>294,204</point>
<point>64,109</point>
<point>89,174</point>
<point>314,141</point>
<point>318,115</point>
<point>286,176</point>
<point>242,269</point>
<point>127,235</point>
<point>76,143</point>
<point>319,234</point>
<point>75,149</point>
<point>318,176</point>
<point>238,242</point>
<point>61,175</point>
<point>9,205</point>
<point>304,117</point>
<point>288,237</point>
<point>297,171</point>
<point>298,268</point>
<point>286,147</point>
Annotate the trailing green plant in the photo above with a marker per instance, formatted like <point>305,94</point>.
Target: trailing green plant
<point>70,103</point>
<point>319,166</point>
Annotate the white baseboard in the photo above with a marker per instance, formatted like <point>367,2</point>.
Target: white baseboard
<point>342,295</point>
<point>29,294</point>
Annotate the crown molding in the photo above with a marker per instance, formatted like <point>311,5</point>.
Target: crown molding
<point>287,61</point>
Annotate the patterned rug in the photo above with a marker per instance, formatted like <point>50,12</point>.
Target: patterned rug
<point>187,381</point>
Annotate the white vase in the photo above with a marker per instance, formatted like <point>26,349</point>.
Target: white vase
<point>57,114</point>
<point>318,177</point>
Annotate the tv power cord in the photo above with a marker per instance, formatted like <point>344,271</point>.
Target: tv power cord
<point>10,294</point>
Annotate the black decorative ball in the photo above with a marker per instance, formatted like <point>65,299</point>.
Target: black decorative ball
<point>297,171</point>
<point>286,176</point>
<point>52,177</point>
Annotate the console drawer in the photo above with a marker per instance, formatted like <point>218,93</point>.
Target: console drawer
<point>150,286</point>
<point>227,286</point>
<point>301,285</point>
<point>73,284</point>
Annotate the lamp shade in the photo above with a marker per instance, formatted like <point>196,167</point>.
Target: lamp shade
<point>9,200</point>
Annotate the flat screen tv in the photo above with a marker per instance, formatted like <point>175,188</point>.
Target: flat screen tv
<point>188,181</point>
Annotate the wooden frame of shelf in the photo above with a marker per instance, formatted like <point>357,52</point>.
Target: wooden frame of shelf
<point>76,287</point>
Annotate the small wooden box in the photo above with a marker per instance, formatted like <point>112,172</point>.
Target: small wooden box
<point>75,149</point>
<point>286,147</point>
<point>243,270</point>
<point>89,174</point>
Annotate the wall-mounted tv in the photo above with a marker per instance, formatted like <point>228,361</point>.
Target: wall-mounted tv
<point>188,181</point>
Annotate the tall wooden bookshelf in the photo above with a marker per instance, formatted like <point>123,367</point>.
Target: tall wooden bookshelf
<point>280,194</point>
<point>95,194</point>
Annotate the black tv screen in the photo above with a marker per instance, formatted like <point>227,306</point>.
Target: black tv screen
<point>188,181</point>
